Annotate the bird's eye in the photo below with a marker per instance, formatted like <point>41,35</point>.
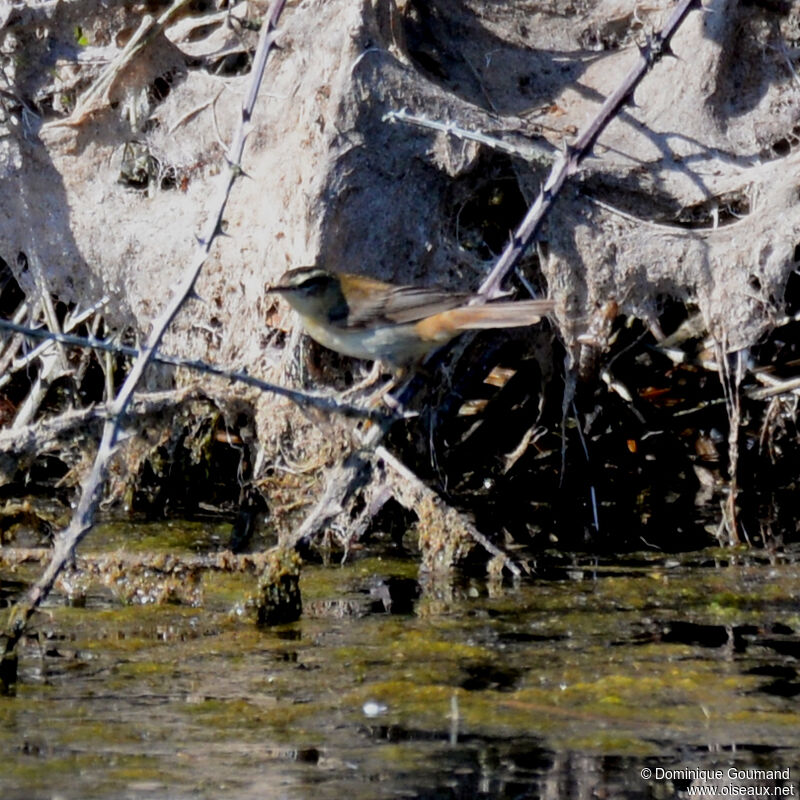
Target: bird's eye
<point>313,284</point>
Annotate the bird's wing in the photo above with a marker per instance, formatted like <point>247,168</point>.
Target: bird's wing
<point>400,304</point>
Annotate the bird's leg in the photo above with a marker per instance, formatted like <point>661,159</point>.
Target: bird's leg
<point>372,378</point>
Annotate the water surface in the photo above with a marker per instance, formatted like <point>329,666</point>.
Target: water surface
<point>570,683</point>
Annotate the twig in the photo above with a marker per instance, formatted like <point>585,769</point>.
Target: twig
<point>32,355</point>
<point>419,491</point>
<point>530,151</point>
<point>568,162</point>
<point>774,386</point>
<point>44,434</point>
<point>302,399</point>
<point>39,436</point>
<point>731,387</point>
<point>9,350</point>
<point>344,481</point>
<point>97,93</point>
<point>83,517</point>
<point>53,361</point>
<point>592,489</point>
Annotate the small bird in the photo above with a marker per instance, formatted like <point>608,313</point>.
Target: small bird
<point>398,325</point>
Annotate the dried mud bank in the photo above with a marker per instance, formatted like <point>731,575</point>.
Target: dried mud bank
<point>657,408</point>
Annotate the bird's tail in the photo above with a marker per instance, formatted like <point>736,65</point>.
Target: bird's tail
<point>491,315</point>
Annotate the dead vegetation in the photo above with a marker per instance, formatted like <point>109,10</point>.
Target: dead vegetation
<point>406,140</point>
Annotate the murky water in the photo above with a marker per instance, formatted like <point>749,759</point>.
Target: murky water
<point>573,683</point>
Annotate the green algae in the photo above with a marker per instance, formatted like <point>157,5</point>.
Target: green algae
<point>600,660</point>
<point>148,537</point>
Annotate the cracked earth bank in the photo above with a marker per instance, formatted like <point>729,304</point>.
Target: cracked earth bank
<point>690,199</point>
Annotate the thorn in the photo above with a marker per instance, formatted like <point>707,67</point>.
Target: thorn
<point>193,295</point>
<point>667,51</point>
<point>221,228</point>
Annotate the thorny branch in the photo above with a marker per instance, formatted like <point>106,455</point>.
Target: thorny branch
<point>568,162</point>
<point>83,517</point>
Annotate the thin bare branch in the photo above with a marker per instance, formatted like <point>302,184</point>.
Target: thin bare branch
<point>419,491</point>
<point>83,518</point>
<point>529,150</point>
<point>303,399</point>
